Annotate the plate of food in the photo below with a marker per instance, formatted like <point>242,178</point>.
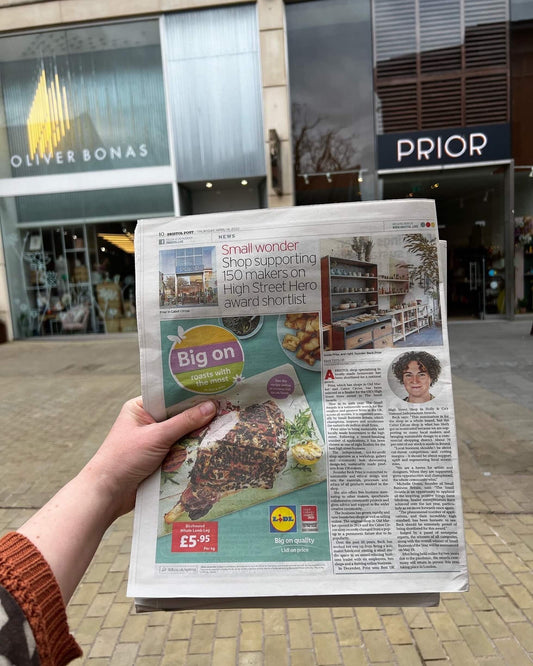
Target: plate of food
<point>243,327</point>
<point>299,337</point>
<point>256,449</point>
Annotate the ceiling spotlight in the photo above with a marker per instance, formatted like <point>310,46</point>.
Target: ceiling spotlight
<point>244,182</point>
<point>306,179</point>
<point>328,176</point>
<point>434,186</point>
<point>209,185</point>
<point>360,177</point>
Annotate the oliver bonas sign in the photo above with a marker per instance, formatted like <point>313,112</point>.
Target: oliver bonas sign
<point>456,146</point>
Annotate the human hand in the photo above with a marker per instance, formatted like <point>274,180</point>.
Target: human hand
<point>135,447</point>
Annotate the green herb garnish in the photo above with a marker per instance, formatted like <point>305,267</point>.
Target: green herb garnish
<point>301,428</point>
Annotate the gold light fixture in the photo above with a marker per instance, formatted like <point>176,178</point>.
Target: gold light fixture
<point>123,241</point>
<point>48,119</point>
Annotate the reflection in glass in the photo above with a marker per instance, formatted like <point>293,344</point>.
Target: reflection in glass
<point>523,238</point>
<point>214,80</point>
<point>471,213</point>
<point>330,63</point>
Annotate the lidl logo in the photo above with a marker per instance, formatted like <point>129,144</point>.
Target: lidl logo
<point>283,519</point>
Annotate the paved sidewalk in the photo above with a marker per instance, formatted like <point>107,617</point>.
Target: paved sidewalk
<point>59,398</point>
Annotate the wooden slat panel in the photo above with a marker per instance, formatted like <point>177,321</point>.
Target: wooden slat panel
<point>486,46</point>
<point>441,63</point>
<point>440,35</point>
<point>442,60</point>
<point>487,100</point>
<point>441,103</point>
<point>395,38</point>
<point>398,107</point>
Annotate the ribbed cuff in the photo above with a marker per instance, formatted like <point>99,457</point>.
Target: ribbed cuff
<point>26,575</point>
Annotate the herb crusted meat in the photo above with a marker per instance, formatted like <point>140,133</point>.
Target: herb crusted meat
<point>241,449</point>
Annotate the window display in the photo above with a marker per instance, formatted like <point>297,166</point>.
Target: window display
<point>78,279</point>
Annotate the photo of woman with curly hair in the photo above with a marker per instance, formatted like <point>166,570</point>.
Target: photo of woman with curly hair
<point>417,371</point>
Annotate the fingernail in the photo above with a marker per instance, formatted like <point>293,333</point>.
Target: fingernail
<point>208,408</point>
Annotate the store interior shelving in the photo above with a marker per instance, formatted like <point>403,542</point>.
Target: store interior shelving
<point>409,319</point>
<point>349,287</point>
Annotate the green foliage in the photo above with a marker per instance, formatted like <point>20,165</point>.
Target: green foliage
<point>426,272</point>
<point>301,428</point>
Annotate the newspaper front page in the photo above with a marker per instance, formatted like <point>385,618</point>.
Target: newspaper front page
<point>331,467</point>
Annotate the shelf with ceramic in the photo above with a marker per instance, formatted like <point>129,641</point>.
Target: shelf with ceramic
<point>407,320</point>
<point>349,283</point>
<point>345,266</point>
<point>383,278</point>
<point>394,280</point>
<point>352,275</point>
<point>352,290</point>
<point>346,311</point>
<point>382,292</point>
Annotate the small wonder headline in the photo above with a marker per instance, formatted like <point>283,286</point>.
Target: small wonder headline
<point>266,274</point>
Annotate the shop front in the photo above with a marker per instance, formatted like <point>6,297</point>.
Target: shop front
<point>84,154</point>
<point>86,151</point>
<point>187,277</point>
<point>469,174</point>
<point>474,222</point>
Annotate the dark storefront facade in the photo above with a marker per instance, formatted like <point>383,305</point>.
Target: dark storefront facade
<point>442,87</point>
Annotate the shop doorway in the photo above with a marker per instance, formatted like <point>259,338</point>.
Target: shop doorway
<point>473,219</point>
<point>77,279</point>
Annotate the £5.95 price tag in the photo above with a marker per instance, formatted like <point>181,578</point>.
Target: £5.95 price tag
<point>194,538</point>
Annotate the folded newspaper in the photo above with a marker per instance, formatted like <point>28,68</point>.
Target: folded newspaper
<point>330,473</point>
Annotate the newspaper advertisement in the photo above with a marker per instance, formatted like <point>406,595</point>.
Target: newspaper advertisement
<point>331,466</point>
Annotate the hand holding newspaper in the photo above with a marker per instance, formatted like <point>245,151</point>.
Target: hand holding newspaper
<point>330,471</point>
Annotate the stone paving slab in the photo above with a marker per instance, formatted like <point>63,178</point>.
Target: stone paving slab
<point>59,398</point>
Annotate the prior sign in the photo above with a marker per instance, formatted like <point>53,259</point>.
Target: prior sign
<point>452,146</point>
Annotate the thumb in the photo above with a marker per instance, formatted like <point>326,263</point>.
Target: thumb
<point>187,421</point>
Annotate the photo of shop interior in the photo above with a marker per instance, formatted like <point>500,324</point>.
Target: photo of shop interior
<point>380,291</point>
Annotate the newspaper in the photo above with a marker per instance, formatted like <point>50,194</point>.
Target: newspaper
<point>330,472</point>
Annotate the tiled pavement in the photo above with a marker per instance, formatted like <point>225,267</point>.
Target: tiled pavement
<point>59,398</point>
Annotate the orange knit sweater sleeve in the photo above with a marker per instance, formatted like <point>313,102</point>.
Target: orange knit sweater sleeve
<point>25,574</point>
